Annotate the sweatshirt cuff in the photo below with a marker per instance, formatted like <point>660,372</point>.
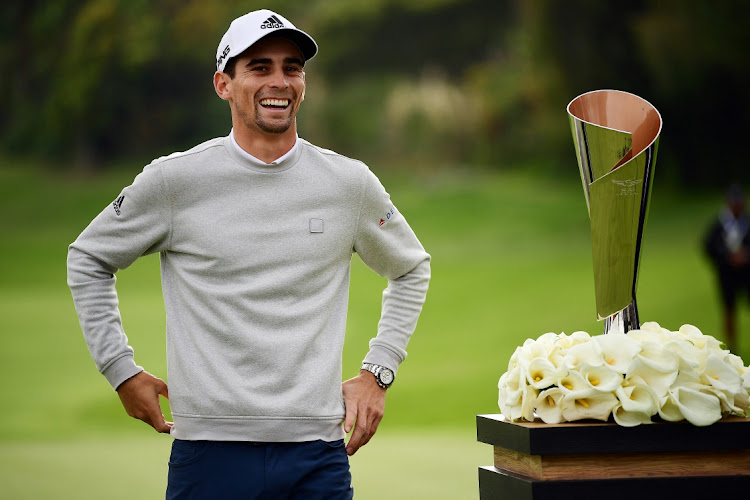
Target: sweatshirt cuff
<point>120,370</point>
<point>383,356</point>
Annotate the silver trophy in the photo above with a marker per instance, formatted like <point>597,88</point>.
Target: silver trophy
<point>616,136</point>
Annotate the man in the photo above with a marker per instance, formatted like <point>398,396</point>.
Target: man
<point>255,233</point>
<point>726,243</point>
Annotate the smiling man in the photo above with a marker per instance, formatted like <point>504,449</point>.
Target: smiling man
<point>255,233</point>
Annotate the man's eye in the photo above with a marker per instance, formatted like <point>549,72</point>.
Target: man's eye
<point>292,69</point>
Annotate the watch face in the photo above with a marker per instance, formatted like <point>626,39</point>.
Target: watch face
<point>386,376</point>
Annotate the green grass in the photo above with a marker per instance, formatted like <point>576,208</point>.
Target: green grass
<point>413,464</point>
<point>511,260</point>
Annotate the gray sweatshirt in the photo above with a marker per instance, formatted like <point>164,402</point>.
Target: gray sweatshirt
<point>255,263</point>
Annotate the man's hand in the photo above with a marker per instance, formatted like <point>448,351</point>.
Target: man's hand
<point>365,404</point>
<point>140,397</point>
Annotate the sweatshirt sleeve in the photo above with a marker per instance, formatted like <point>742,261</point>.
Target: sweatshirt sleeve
<point>388,246</point>
<point>137,223</point>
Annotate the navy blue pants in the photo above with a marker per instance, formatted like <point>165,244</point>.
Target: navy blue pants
<point>245,470</point>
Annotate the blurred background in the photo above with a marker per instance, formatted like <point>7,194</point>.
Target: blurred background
<point>457,105</point>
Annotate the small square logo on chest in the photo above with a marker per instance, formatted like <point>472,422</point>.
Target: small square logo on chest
<point>316,225</point>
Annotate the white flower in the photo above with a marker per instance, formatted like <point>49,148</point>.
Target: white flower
<point>736,362</point>
<point>643,371</point>
<point>556,351</point>
<point>618,350</point>
<point>687,378</point>
<point>637,398</point>
<point>636,404</point>
<point>629,418</point>
<point>586,352</point>
<point>698,408</point>
<point>601,378</point>
<point>527,405</point>
<point>690,357</point>
<point>530,350</point>
<point>668,409</point>
<point>573,384</point>
<point>557,358</point>
<point>579,338</point>
<point>726,402</point>
<point>690,330</point>
<point>696,337</point>
<point>591,404</point>
<point>513,383</point>
<point>510,393</point>
<point>742,401</point>
<point>655,356</point>
<point>568,341</point>
<point>682,375</point>
<point>651,326</point>
<point>548,339</point>
<point>547,406</point>
<point>513,361</point>
<point>515,397</point>
<point>722,375</point>
<point>541,373</point>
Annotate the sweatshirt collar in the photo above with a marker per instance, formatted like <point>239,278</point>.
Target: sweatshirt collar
<point>281,163</point>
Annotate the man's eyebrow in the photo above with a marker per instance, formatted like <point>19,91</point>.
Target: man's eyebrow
<point>294,60</point>
<point>253,62</point>
<point>267,60</point>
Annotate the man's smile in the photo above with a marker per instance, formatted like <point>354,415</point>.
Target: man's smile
<point>271,103</point>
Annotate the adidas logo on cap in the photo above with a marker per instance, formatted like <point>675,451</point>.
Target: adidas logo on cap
<point>272,22</point>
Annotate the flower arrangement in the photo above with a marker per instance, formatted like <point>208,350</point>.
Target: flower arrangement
<point>631,377</point>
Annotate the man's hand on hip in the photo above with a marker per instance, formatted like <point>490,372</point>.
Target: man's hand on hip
<point>365,404</point>
<point>140,397</point>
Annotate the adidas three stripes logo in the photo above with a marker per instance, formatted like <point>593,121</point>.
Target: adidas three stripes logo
<point>272,23</point>
<point>118,203</point>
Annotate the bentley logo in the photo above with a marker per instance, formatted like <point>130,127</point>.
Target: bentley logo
<point>627,187</point>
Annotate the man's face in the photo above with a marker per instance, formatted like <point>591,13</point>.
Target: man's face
<point>268,86</point>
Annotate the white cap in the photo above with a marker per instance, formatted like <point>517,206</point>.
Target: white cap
<point>248,29</point>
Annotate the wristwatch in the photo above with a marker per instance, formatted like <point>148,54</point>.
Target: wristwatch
<point>383,376</point>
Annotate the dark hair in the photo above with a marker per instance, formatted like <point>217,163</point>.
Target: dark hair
<point>230,66</point>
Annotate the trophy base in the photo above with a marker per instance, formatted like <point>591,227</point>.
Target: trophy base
<point>589,459</point>
<point>623,321</point>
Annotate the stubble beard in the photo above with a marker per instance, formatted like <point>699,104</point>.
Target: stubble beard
<point>269,127</point>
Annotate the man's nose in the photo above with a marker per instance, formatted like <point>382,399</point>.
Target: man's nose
<point>278,79</point>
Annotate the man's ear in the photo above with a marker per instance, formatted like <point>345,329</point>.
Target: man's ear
<point>222,85</point>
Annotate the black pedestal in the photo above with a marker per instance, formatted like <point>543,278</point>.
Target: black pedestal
<point>539,461</point>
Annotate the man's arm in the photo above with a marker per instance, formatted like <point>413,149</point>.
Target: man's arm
<point>386,243</point>
<point>92,284</point>
<point>137,223</point>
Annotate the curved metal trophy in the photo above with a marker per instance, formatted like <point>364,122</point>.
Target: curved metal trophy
<point>616,136</point>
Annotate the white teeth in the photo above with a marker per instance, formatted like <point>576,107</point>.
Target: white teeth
<point>275,102</point>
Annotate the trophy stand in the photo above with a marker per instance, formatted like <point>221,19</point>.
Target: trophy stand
<point>538,461</point>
